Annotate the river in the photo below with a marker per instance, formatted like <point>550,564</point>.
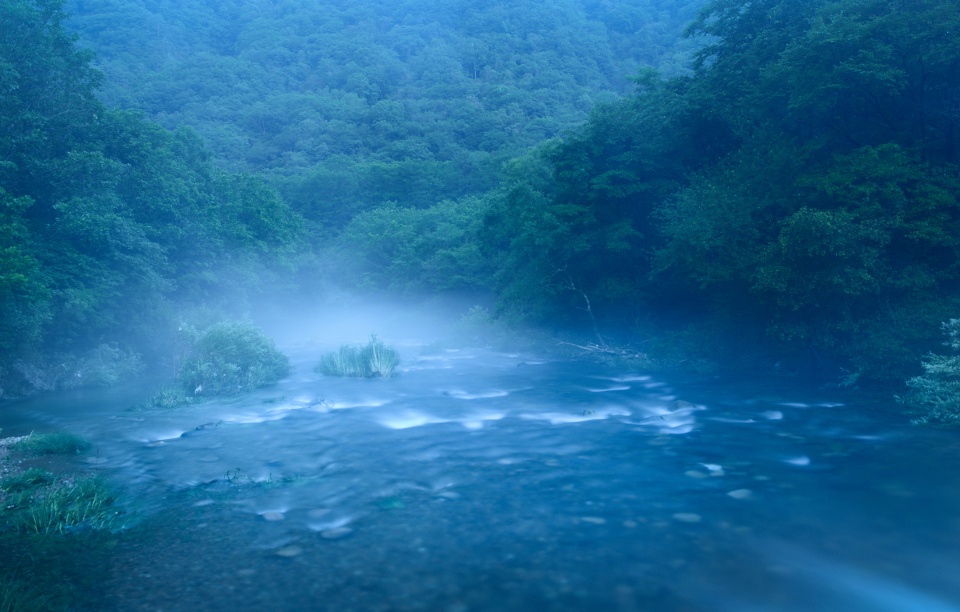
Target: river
<point>485,480</point>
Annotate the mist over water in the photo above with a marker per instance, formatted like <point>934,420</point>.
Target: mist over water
<point>479,479</point>
<point>166,165</point>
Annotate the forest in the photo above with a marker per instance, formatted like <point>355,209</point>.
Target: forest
<point>768,186</point>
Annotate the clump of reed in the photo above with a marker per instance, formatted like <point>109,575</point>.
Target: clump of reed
<point>372,360</point>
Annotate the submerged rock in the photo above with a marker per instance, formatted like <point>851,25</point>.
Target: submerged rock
<point>687,517</point>
<point>336,533</point>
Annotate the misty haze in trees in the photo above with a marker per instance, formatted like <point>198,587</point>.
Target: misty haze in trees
<point>766,184</point>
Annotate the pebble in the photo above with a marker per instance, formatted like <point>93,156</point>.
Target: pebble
<point>336,533</point>
<point>687,517</point>
<point>594,520</point>
<point>288,551</point>
<point>740,493</point>
<point>273,515</point>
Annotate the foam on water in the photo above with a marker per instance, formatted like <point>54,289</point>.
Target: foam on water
<point>407,419</point>
<point>561,418</point>
<point>608,389</point>
<point>564,486</point>
<point>459,394</point>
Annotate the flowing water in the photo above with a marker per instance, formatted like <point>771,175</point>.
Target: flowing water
<point>478,480</point>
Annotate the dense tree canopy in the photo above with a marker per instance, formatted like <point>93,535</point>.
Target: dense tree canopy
<point>800,188</point>
<point>350,105</point>
<point>108,219</point>
<point>793,190</point>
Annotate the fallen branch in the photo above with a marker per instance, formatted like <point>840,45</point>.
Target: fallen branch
<point>607,350</point>
<point>572,286</point>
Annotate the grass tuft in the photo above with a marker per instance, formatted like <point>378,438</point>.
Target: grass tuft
<point>345,361</point>
<point>59,507</point>
<point>57,443</point>
<point>372,360</point>
<point>16,595</point>
<point>26,481</point>
<point>166,398</point>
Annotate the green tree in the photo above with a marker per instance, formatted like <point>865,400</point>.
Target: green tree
<point>107,220</point>
<point>798,189</point>
<point>24,296</point>
<point>408,249</point>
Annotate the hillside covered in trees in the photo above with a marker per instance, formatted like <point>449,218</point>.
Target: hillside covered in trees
<point>796,197</point>
<point>109,223</point>
<point>352,104</point>
<point>777,188</point>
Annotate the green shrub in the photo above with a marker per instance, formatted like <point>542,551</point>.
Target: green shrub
<point>166,397</point>
<point>934,398</point>
<point>231,358</point>
<point>478,327</point>
<point>102,366</point>
<point>374,359</point>
<point>58,443</point>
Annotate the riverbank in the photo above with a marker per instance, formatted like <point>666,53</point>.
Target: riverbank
<point>56,519</point>
<point>7,466</point>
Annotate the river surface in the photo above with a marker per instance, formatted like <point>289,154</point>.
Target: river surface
<point>482,480</point>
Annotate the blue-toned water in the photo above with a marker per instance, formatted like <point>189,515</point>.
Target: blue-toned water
<point>478,480</point>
